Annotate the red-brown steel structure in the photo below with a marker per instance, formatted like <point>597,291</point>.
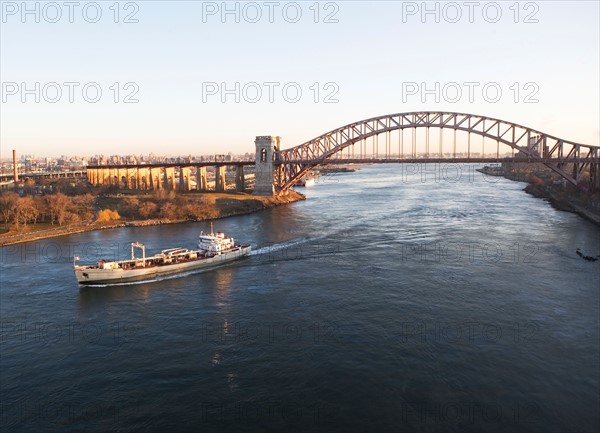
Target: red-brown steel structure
<point>531,146</point>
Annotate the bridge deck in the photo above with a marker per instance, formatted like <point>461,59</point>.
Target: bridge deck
<point>426,160</point>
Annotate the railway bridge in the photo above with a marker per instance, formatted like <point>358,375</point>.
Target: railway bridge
<point>412,137</point>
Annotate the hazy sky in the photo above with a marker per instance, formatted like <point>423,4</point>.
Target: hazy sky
<point>359,60</point>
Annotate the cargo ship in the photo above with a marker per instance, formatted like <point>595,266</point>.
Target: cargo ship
<point>214,249</point>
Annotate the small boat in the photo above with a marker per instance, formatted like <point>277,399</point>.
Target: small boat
<point>214,249</point>
<point>306,181</point>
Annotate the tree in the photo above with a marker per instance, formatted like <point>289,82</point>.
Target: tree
<point>193,211</point>
<point>25,211</point>
<point>8,203</point>
<point>200,212</point>
<point>169,210</point>
<point>131,206</point>
<point>147,209</point>
<point>83,205</point>
<point>42,209</point>
<point>66,186</point>
<point>58,207</point>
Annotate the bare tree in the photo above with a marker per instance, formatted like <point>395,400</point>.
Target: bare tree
<point>147,209</point>
<point>83,205</point>
<point>58,205</point>
<point>8,203</point>
<point>131,206</point>
<point>25,211</point>
<point>42,209</point>
<point>169,210</point>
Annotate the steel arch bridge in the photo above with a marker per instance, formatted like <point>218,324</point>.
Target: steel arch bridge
<point>567,158</point>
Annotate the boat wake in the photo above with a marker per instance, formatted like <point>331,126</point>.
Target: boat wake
<point>305,248</point>
<point>268,249</point>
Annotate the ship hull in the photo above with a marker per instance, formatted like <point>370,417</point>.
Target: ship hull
<point>93,276</point>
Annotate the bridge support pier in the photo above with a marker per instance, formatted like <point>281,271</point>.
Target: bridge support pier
<point>239,178</point>
<point>112,173</point>
<point>120,175</point>
<point>148,176</point>
<point>90,176</point>
<point>201,179</point>
<point>266,146</point>
<point>170,178</point>
<point>158,178</point>
<point>220,178</point>
<point>150,182</point>
<point>184,178</point>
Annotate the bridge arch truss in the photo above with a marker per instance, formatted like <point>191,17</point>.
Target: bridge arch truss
<point>567,158</point>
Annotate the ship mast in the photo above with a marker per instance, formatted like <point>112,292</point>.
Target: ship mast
<point>140,246</point>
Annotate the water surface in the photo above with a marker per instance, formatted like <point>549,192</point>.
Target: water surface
<point>392,299</point>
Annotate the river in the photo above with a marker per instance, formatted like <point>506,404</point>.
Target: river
<point>396,298</point>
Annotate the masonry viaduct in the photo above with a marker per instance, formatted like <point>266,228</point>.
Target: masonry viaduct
<point>173,176</point>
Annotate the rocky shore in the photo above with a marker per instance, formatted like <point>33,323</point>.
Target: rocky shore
<point>545,184</point>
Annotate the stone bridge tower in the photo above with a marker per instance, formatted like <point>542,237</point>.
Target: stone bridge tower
<point>266,148</point>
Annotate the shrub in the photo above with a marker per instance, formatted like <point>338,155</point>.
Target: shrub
<point>106,215</point>
<point>208,200</point>
<point>536,181</point>
<point>147,209</point>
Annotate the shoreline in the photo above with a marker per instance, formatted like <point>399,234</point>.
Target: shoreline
<point>559,198</point>
<point>543,184</point>
<point>258,204</point>
<point>562,204</point>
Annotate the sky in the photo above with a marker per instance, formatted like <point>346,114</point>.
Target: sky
<point>179,78</point>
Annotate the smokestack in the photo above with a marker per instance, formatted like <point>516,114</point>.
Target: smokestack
<point>16,173</point>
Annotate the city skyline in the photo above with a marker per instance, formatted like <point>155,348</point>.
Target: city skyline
<point>208,81</point>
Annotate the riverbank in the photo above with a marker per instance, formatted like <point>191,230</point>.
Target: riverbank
<point>547,185</point>
<point>572,201</point>
<point>225,205</point>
